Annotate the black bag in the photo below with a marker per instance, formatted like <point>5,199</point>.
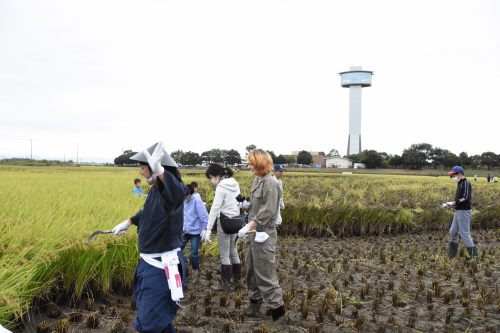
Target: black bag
<point>231,225</point>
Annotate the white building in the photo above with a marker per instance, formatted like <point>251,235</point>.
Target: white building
<point>338,162</point>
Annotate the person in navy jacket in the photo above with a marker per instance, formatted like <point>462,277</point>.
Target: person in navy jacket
<point>159,225</point>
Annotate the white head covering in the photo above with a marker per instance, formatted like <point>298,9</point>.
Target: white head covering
<point>167,160</point>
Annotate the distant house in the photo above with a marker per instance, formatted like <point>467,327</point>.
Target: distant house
<point>337,162</point>
<point>318,160</point>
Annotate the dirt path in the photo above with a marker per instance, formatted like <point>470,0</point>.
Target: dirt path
<point>373,284</point>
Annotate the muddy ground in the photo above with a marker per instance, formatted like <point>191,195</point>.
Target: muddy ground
<point>373,284</point>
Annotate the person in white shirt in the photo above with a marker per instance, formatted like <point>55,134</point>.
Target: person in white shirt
<point>227,189</point>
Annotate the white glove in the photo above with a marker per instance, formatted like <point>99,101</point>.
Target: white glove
<point>448,204</point>
<point>205,235</point>
<point>121,228</point>
<point>261,237</point>
<point>154,160</point>
<point>245,204</point>
<point>242,233</point>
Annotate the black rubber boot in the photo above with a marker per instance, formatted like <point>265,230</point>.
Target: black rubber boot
<point>236,273</point>
<point>278,313</point>
<point>226,272</point>
<point>473,253</point>
<point>253,309</point>
<point>452,250</point>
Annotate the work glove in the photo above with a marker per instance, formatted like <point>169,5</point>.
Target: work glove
<point>242,233</point>
<point>448,204</point>
<point>261,236</point>
<point>205,235</point>
<point>154,160</point>
<point>121,228</point>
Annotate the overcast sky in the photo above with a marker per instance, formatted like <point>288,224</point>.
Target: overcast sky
<point>113,75</point>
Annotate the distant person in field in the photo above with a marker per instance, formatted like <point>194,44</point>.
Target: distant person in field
<point>475,178</point>
<point>488,178</point>
<point>278,173</point>
<point>226,191</point>
<point>195,221</point>
<point>159,240</point>
<point>495,179</point>
<point>262,281</point>
<point>137,187</point>
<point>463,213</point>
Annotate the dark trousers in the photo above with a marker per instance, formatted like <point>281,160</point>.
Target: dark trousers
<point>155,308</point>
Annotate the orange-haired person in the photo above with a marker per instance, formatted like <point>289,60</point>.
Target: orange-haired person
<point>262,282</point>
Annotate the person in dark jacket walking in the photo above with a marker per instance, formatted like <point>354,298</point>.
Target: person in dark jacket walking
<point>161,269</point>
<point>463,214</point>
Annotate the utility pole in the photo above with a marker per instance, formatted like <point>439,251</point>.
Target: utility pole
<point>31,154</point>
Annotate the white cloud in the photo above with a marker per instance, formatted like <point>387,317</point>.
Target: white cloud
<point>113,75</point>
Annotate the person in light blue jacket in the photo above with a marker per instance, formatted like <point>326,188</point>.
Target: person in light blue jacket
<point>195,221</point>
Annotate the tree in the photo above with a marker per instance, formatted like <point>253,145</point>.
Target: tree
<point>304,157</point>
<point>124,159</point>
<point>384,155</point>
<point>475,161</point>
<point>232,157</point>
<point>177,156</point>
<point>290,159</point>
<point>190,158</point>
<point>355,158</point>
<point>437,157</point>
<point>249,148</point>
<point>489,159</point>
<point>396,161</point>
<point>280,159</point>
<point>372,159</point>
<point>334,153</point>
<point>273,156</point>
<point>417,156</point>
<point>465,160</point>
<point>213,156</point>
<point>450,159</point>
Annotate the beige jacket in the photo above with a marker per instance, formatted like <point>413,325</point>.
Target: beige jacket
<point>264,202</point>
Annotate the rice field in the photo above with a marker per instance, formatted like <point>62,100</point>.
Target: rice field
<point>46,213</point>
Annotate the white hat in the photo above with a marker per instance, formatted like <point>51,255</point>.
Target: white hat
<point>166,160</point>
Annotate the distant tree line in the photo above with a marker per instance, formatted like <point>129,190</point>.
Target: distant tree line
<point>33,162</point>
<point>189,158</point>
<point>417,156</point>
<point>424,155</point>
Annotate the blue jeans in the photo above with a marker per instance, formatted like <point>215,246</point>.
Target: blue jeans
<point>195,246</point>
<point>461,225</point>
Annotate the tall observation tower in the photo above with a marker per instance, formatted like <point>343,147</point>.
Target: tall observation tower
<point>355,79</point>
